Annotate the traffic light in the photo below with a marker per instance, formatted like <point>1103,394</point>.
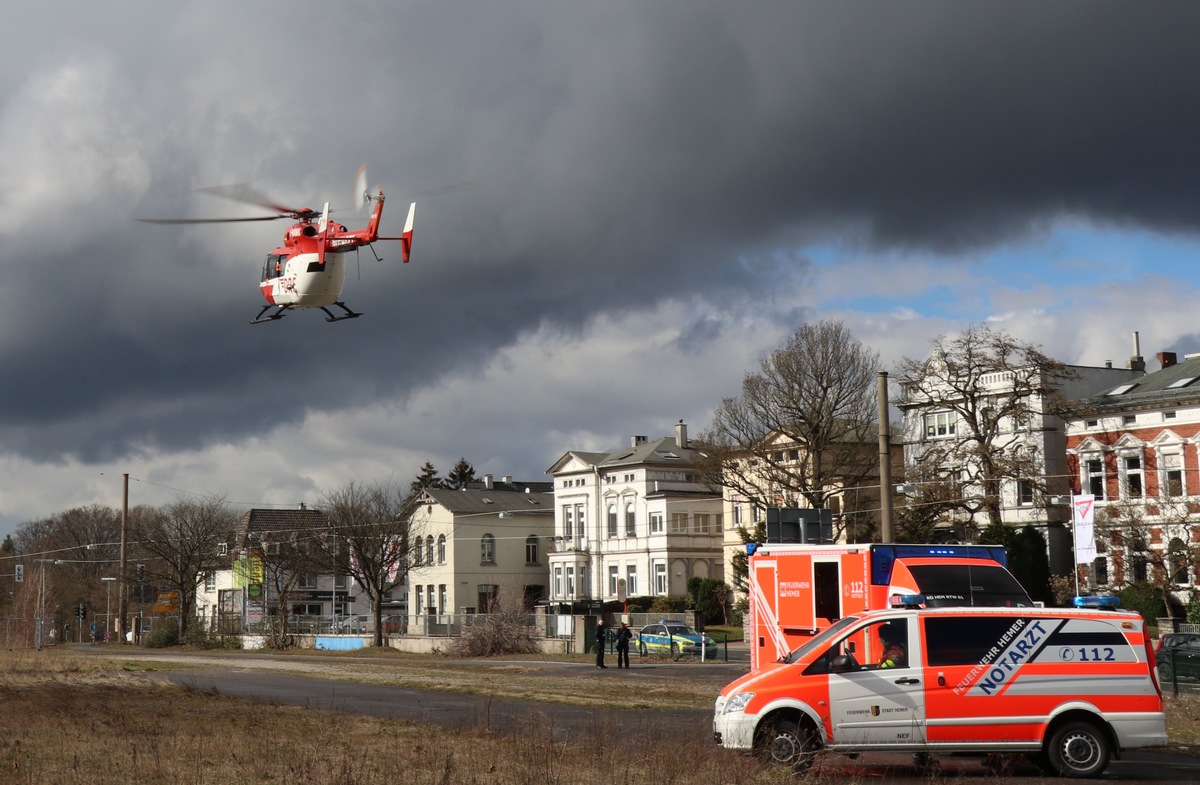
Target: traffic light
<point>141,572</point>
<point>81,611</point>
<point>19,573</point>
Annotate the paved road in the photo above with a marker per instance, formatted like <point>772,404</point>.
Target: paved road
<point>471,711</point>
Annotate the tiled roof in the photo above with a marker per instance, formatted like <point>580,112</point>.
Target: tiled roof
<point>259,521</point>
<point>497,500</point>
<point>1177,383</point>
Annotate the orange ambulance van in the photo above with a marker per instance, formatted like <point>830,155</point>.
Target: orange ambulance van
<point>1069,687</point>
<point>797,590</point>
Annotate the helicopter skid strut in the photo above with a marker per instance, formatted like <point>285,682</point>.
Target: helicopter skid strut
<point>347,315</point>
<point>281,310</point>
<point>259,319</point>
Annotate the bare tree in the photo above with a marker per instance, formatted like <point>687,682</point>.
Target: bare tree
<point>1129,528</point>
<point>928,507</point>
<point>183,542</point>
<point>370,528</point>
<point>804,424</point>
<point>83,543</point>
<point>992,388</point>
<point>286,559</point>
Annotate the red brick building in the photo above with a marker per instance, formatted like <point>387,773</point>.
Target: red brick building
<point>1136,448</point>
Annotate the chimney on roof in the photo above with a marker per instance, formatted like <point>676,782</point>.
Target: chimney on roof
<point>487,481</point>
<point>302,507</point>
<point>681,440</point>
<point>635,441</point>
<point>1137,362</point>
<point>506,478</point>
<point>1167,359</point>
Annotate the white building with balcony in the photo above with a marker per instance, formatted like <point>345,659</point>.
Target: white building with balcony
<point>638,517</point>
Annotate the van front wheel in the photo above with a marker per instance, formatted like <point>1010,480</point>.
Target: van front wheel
<point>786,743</point>
<point>1078,749</point>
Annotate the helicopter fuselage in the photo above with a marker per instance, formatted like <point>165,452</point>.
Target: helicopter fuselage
<point>308,270</point>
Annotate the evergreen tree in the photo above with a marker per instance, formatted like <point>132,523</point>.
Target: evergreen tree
<point>426,478</point>
<point>462,474</point>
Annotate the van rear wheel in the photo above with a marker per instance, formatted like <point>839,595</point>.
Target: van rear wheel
<point>1078,749</point>
<point>785,742</point>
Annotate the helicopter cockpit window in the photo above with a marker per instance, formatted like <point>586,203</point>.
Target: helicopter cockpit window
<point>274,266</point>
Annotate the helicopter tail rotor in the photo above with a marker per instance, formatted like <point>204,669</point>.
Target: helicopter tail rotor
<point>362,193</point>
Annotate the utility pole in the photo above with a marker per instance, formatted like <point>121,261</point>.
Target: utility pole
<point>122,590</point>
<point>885,461</point>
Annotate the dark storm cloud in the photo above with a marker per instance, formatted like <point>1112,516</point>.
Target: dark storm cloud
<point>626,153</point>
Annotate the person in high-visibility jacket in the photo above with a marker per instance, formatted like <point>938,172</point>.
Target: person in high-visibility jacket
<point>892,638</point>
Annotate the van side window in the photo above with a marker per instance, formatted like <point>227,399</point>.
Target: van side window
<point>959,584</point>
<point>963,640</point>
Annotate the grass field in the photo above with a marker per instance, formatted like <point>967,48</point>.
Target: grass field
<point>70,718</point>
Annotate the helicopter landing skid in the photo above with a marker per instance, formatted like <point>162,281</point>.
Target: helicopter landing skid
<point>329,317</point>
<point>259,319</point>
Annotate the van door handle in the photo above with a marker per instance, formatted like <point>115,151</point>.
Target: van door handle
<point>908,681</point>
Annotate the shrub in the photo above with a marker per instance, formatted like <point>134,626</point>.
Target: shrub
<point>1146,599</point>
<point>165,633</point>
<point>708,599</point>
<point>503,630</point>
<point>670,603</point>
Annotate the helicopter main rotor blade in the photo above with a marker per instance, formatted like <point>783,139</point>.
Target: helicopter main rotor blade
<point>240,192</point>
<point>207,220</point>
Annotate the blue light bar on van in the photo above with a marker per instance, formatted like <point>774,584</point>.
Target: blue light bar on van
<point>907,600</point>
<point>883,557</point>
<point>751,547</point>
<point>1106,602</point>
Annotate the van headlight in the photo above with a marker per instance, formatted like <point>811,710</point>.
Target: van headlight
<point>738,702</point>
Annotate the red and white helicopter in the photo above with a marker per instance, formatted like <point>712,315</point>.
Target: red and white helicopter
<point>309,269</point>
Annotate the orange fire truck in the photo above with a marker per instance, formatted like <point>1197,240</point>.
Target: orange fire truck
<point>797,590</point>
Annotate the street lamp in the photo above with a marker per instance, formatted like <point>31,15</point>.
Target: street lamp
<point>41,619</point>
<point>108,582</point>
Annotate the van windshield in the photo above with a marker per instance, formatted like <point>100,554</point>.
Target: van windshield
<point>819,640</point>
<point>968,584</point>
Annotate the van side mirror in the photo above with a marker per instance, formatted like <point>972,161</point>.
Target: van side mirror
<point>843,663</point>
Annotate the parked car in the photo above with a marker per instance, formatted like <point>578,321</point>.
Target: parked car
<point>674,638</point>
<point>1178,654</point>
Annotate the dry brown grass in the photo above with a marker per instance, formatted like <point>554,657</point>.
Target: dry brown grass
<point>88,721</point>
<point>70,719</point>
<point>1183,719</point>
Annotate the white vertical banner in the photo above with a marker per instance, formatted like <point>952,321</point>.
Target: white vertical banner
<point>1083,518</point>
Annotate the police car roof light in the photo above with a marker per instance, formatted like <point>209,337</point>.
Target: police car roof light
<point>1107,602</point>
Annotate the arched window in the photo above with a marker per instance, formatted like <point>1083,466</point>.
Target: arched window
<point>487,549</point>
<point>417,553</point>
<point>441,550</point>
<point>630,520</point>
<point>531,549</point>
<point>1177,553</point>
<point>612,520</point>
<point>1139,568</point>
<point>429,549</point>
